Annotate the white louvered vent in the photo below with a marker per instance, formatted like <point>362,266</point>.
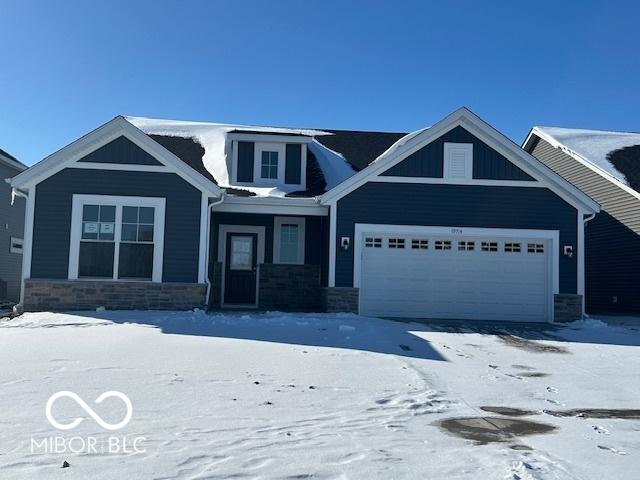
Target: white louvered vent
<point>458,161</point>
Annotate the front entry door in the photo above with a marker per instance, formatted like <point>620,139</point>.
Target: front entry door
<point>240,269</point>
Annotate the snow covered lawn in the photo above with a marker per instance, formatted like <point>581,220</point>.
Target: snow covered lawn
<point>320,396</point>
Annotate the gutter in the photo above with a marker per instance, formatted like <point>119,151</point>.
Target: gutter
<point>206,269</point>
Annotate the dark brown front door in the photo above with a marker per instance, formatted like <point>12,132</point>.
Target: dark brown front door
<point>240,269</point>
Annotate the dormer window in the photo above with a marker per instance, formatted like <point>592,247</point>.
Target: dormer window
<point>269,161</point>
<point>458,161</point>
<point>269,165</point>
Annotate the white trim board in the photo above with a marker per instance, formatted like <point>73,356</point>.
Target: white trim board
<point>553,236</point>
<point>223,230</point>
<point>118,201</point>
<point>577,157</point>
<point>272,205</point>
<point>100,137</point>
<point>484,132</point>
<point>457,181</point>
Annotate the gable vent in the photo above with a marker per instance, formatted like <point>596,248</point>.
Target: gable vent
<point>458,160</point>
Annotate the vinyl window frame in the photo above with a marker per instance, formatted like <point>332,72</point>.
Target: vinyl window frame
<point>278,222</point>
<point>158,203</point>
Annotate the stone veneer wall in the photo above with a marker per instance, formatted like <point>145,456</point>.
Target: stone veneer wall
<point>289,287</point>
<point>567,307</point>
<point>340,299</point>
<point>88,295</point>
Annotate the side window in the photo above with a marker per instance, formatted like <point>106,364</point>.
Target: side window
<point>289,238</point>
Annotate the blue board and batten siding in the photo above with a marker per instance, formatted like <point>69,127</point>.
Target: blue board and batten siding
<point>472,206</point>
<point>316,238</point>
<point>52,218</point>
<point>121,151</point>
<point>487,163</point>
<point>457,206</point>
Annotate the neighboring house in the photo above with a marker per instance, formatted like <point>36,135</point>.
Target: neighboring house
<point>11,231</point>
<point>606,166</point>
<point>453,221</point>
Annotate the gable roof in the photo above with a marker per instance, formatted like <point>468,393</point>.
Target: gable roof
<point>11,161</point>
<point>101,136</point>
<point>414,141</point>
<point>613,155</point>
<point>333,155</point>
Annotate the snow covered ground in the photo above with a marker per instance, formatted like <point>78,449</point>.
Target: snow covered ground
<point>320,396</point>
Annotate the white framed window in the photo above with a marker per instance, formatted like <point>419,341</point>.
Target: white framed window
<point>371,242</point>
<point>269,161</point>
<point>269,164</point>
<point>535,248</point>
<point>489,246</point>
<point>512,247</point>
<point>117,238</point>
<point>443,244</point>
<point>288,241</point>
<point>466,246</point>
<point>458,161</point>
<point>419,244</point>
<point>396,243</point>
<point>16,245</point>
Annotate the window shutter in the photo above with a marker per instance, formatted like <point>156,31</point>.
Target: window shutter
<point>293,164</point>
<point>245,161</point>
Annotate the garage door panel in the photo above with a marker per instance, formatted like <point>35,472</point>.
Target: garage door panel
<point>503,282</point>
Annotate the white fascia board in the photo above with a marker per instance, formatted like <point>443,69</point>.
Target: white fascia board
<point>483,131</point>
<point>69,155</point>
<point>270,205</point>
<point>270,138</point>
<point>535,131</point>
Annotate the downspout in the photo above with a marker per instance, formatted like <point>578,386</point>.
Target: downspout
<point>16,192</point>
<point>585,219</point>
<point>206,270</point>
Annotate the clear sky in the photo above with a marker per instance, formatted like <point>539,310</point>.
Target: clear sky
<point>67,67</point>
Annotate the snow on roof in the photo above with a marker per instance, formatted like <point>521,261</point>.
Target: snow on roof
<point>593,146</point>
<point>400,143</point>
<point>213,136</point>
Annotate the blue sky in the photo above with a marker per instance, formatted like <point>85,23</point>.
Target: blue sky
<point>68,67</point>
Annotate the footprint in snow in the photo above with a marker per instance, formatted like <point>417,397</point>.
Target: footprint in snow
<point>612,450</point>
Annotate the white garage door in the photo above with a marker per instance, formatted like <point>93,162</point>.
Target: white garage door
<point>455,277</point>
